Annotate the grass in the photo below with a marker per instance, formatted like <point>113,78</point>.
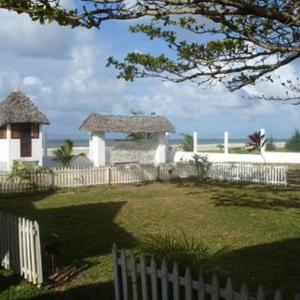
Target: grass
<point>258,225</point>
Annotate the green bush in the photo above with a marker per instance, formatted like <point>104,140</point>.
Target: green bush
<point>293,143</point>
<point>23,173</point>
<point>270,146</point>
<point>202,165</point>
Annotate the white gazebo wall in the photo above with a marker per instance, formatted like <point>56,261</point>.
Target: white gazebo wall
<point>161,150</point>
<point>14,149</point>
<point>3,154</point>
<point>97,148</point>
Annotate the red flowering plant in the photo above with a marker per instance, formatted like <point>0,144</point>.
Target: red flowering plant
<point>257,141</point>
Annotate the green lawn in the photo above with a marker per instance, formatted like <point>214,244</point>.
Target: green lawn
<point>258,225</point>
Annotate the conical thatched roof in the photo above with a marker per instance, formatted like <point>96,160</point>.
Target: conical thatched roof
<point>18,108</point>
<point>127,124</point>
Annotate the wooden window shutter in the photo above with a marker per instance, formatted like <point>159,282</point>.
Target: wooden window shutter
<point>3,132</point>
<point>16,131</point>
<point>35,130</point>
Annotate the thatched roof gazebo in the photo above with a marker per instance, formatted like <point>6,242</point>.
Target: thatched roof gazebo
<point>98,125</point>
<point>127,124</point>
<point>20,130</point>
<point>18,108</point>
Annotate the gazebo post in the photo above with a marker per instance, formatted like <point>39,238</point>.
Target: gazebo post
<point>160,155</point>
<point>98,148</point>
<point>8,137</point>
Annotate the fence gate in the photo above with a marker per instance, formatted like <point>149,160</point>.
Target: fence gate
<point>20,247</point>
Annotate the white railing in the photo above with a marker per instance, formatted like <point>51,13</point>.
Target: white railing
<point>139,278</point>
<point>134,173</point>
<point>251,172</point>
<point>20,247</point>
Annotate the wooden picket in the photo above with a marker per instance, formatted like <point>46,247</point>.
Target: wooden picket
<point>38,182</point>
<point>134,173</point>
<point>251,172</point>
<point>20,249</point>
<point>145,279</point>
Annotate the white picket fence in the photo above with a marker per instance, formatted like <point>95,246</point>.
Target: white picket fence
<point>20,247</point>
<point>251,172</point>
<point>134,173</point>
<point>138,278</point>
<point>39,181</point>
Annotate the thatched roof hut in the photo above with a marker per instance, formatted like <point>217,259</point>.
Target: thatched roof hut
<point>126,124</point>
<point>18,108</point>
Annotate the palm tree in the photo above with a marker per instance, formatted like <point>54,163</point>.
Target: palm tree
<point>187,142</point>
<point>64,154</point>
<point>257,142</point>
<point>138,136</point>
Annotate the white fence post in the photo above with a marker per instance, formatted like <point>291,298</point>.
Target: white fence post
<point>195,142</point>
<point>226,142</point>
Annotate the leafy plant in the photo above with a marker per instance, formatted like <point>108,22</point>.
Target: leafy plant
<point>293,144</point>
<point>186,251</point>
<point>257,141</point>
<point>136,136</point>
<point>187,142</point>
<point>270,145</point>
<point>22,173</point>
<point>202,165</point>
<point>64,154</point>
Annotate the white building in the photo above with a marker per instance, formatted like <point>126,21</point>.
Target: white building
<point>155,127</point>
<point>21,136</point>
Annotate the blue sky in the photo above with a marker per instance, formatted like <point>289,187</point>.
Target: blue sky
<point>63,71</point>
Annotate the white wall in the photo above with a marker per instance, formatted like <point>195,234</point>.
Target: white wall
<point>161,150</point>
<point>15,150</point>
<point>3,154</point>
<point>270,157</point>
<point>97,148</point>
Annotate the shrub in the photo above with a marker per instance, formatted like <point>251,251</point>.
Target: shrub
<point>293,143</point>
<point>270,146</point>
<point>257,141</point>
<point>202,166</point>
<point>23,173</point>
<point>186,251</point>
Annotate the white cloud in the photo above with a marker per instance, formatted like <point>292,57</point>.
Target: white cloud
<point>23,37</point>
<point>31,80</point>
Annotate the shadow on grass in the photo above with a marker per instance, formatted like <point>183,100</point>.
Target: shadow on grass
<point>208,183</point>
<point>261,202</point>
<point>8,281</point>
<point>275,265</point>
<point>96,291</point>
<point>83,232</point>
